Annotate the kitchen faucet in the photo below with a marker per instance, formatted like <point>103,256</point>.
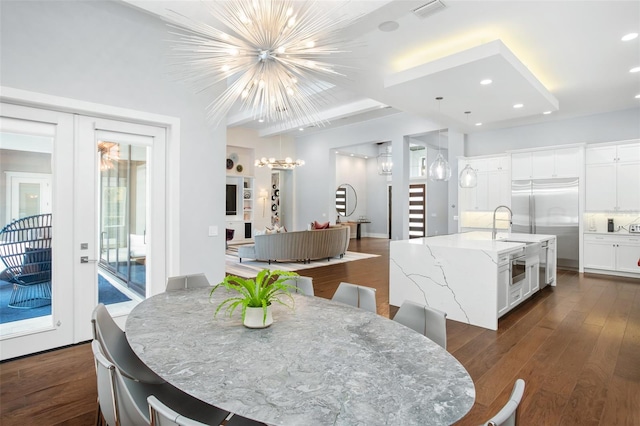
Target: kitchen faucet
<point>495,231</point>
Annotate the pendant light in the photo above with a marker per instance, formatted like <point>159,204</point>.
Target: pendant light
<point>468,176</point>
<point>440,170</point>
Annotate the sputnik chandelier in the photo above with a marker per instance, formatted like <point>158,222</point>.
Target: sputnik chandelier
<point>275,55</point>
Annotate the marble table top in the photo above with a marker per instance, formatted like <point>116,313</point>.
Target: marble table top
<point>323,363</point>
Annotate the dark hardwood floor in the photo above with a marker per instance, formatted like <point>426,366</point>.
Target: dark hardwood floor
<point>577,346</point>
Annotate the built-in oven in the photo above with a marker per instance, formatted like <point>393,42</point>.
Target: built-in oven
<point>518,267</point>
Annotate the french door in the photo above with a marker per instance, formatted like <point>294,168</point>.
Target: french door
<point>81,196</point>
<point>37,141</point>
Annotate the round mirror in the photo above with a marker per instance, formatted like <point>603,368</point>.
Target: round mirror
<point>346,200</point>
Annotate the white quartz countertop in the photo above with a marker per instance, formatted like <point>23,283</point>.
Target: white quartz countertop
<point>479,240</point>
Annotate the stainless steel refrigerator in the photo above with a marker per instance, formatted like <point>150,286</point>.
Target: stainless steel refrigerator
<point>549,206</point>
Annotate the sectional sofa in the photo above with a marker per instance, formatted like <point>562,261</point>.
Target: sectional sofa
<point>298,245</point>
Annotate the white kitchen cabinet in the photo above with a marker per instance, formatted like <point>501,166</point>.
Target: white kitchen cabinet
<point>628,255</point>
<point>546,164</point>
<point>504,275</point>
<point>612,253</point>
<point>493,187</point>
<point>612,177</point>
<point>521,166</point>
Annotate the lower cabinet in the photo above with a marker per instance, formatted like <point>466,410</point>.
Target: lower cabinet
<point>504,276</point>
<point>612,253</point>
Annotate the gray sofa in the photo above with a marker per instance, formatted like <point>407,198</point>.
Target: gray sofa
<point>298,245</point>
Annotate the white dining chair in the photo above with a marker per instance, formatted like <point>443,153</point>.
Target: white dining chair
<point>427,321</point>
<point>104,379</point>
<point>123,401</point>
<point>356,295</point>
<point>116,347</point>
<point>304,285</point>
<point>507,415</point>
<point>187,281</point>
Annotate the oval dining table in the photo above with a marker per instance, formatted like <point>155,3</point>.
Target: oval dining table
<point>322,363</point>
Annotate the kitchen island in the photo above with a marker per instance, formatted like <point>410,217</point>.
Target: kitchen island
<point>471,277</point>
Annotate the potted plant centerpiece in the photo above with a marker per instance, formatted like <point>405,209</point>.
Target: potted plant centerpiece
<point>256,295</point>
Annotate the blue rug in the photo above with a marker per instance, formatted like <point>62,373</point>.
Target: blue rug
<point>107,294</point>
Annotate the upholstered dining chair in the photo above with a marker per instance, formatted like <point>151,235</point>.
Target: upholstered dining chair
<point>162,415</point>
<point>116,347</point>
<point>105,372</point>
<point>123,401</point>
<point>187,281</point>
<point>356,295</point>
<point>427,321</point>
<point>507,415</point>
<point>304,285</point>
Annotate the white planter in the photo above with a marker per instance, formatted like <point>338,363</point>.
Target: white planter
<point>254,318</point>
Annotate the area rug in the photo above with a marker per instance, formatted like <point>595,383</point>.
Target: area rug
<point>250,268</point>
<point>107,294</point>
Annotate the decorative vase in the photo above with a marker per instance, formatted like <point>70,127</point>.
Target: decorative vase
<point>253,318</point>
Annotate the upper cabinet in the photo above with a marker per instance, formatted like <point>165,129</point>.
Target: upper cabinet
<point>612,176</point>
<point>547,164</point>
<point>494,184</point>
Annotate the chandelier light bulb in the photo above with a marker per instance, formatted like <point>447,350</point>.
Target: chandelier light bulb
<point>288,160</point>
<point>272,160</point>
<point>289,91</point>
<point>281,49</point>
<point>225,68</point>
<point>310,44</point>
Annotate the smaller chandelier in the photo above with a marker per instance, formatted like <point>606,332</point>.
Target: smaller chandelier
<point>468,177</point>
<point>109,152</point>
<point>385,163</point>
<point>272,163</point>
<point>439,170</point>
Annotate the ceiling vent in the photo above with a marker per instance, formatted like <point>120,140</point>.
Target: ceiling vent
<point>429,8</point>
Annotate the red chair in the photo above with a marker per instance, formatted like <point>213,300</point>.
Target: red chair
<point>230,233</point>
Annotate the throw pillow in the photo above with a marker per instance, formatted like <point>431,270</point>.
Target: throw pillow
<point>317,225</point>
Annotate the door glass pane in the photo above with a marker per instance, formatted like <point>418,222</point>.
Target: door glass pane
<point>123,200</point>
<point>25,239</point>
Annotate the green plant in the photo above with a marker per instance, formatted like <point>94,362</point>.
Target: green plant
<point>267,287</point>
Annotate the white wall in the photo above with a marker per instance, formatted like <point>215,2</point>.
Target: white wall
<point>107,53</point>
<point>613,126</point>
<point>315,197</point>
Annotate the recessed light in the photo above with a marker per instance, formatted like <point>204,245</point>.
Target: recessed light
<point>486,81</point>
<point>261,120</point>
<point>629,37</point>
<point>478,124</point>
<point>388,26</point>
<point>352,155</point>
<point>547,112</point>
<point>366,158</point>
<point>518,106</point>
<point>635,69</point>
<point>300,128</point>
<point>638,96</point>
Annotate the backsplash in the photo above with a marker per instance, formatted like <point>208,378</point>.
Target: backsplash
<point>597,222</point>
<point>482,219</point>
